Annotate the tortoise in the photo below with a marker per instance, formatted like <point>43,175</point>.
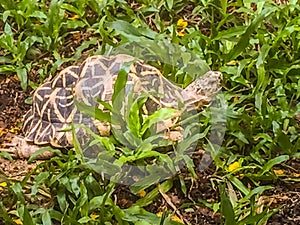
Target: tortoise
<point>53,107</point>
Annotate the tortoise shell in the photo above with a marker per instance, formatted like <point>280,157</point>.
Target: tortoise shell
<point>53,108</point>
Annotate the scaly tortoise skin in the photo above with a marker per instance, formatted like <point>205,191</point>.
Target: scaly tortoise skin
<point>53,106</point>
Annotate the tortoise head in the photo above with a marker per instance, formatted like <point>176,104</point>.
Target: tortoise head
<point>200,92</point>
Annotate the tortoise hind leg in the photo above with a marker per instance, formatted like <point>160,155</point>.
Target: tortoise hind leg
<point>21,149</point>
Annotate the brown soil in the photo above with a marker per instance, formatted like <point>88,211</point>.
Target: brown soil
<point>12,107</point>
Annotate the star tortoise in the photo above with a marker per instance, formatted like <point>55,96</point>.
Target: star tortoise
<point>54,110</point>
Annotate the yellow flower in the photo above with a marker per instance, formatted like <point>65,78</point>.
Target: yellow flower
<point>181,33</point>
<point>176,219</point>
<point>3,184</point>
<point>278,172</point>
<point>14,130</point>
<point>18,221</point>
<point>74,17</point>
<point>159,214</point>
<point>233,166</point>
<point>232,63</point>
<point>142,193</point>
<point>93,216</point>
<point>182,23</point>
<point>2,131</point>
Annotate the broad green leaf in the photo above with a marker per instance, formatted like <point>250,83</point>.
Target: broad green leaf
<point>5,15</point>
<point>240,136</point>
<point>71,8</point>
<point>226,206</point>
<point>237,183</point>
<point>39,14</point>
<point>170,4</point>
<point>159,115</point>
<point>39,179</point>
<point>17,188</point>
<point>139,216</point>
<point>92,111</point>
<point>133,115</point>
<point>6,68</point>
<point>255,191</point>
<point>263,54</point>
<point>22,75</point>
<point>105,166</point>
<point>252,219</point>
<point>74,185</point>
<point>6,155</point>
<point>151,196</point>
<point>245,37</point>
<point>224,5</point>
<point>27,218</point>
<point>120,88</point>
<point>271,163</point>
<point>231,33</point>
<point>42,150</point>
<point>62,201</point>
<point>46,218</point>
<point>84,220</point>
<point>155,174</point>
<point>131,32</point>
<point>4,214</point>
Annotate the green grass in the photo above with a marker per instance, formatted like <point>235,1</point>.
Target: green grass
<point>255,47</point>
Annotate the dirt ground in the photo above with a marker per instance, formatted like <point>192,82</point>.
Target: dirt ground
<point>285,194</point>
